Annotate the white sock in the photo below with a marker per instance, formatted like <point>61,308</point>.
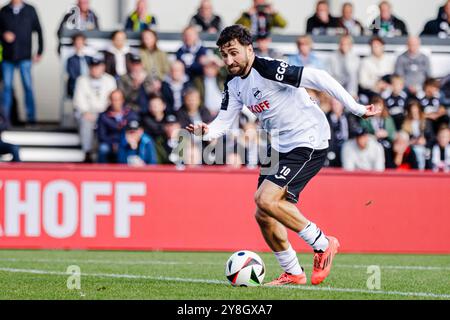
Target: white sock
<point>314,237</point>
<point>288,261</point>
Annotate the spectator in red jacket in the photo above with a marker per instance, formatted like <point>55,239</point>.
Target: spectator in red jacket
<point>419,129</point>
<point>403,157</point>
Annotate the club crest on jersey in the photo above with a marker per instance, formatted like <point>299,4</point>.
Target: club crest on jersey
<point>257,93</point>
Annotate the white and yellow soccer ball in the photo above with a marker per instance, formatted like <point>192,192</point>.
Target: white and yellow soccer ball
<point>245,269</point>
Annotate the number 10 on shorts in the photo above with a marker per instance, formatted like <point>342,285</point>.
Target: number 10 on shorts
<point>283,173</point>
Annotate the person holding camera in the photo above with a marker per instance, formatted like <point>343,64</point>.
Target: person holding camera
<point>261,18</point>
<point>322,23</point>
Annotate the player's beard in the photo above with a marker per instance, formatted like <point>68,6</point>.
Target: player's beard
<point>240,68</point>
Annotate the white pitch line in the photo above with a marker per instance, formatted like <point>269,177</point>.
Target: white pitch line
<point>211,281</point>
<point>111,275</point>
<point>117,262</point>
<point>162,262</point>
<point>424,268</point>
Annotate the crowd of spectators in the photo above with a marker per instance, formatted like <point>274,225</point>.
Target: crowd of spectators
<point>413,112</point>
<point>131,102</point>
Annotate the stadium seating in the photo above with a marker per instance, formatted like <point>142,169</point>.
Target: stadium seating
<point>45,146</point>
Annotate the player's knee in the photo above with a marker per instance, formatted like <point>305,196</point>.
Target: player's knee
<point>264,202</point>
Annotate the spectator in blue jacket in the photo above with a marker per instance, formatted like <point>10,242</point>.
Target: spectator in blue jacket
<point>306,56</point>
<point>110,126</point>
<point>78,64</point>
<point>192,52</point>
<point>174,86</point>
<point>136,147</point>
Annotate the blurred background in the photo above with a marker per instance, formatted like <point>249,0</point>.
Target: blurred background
<point>372,48</point>
<point>113,13</point>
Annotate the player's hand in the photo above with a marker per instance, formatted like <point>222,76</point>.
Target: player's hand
<point>198,129</point>
<point>371,111</point>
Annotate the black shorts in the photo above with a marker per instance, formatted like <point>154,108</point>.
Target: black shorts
<point>294,170</point>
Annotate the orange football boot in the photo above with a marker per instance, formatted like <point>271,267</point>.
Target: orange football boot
<point>323,261</point>
<point>287,278</point>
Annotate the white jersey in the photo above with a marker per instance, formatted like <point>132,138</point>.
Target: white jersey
<point>275,92</point>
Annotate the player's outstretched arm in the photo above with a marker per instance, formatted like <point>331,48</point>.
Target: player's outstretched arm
<point>320,80</point>
<point>231,107</point>
<point>202,129</point>
<point>221,124</point>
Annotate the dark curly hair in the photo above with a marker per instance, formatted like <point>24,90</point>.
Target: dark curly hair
<point>235,32</point>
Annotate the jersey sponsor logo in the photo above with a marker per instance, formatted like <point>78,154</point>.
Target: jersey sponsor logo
<point>260,107</point>
<point>281,70</point>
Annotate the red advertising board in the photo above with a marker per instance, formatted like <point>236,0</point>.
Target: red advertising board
<point>212,208</point>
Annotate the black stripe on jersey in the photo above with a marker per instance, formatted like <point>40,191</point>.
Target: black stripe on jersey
<point>279,71</point>
<point>226,94</point>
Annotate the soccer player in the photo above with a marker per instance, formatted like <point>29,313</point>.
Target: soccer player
<point>275,92</point>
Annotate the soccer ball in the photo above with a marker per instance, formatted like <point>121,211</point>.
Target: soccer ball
<point>245,269</point>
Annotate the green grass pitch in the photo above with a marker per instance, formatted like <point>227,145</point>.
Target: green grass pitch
<point>26,274</point>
